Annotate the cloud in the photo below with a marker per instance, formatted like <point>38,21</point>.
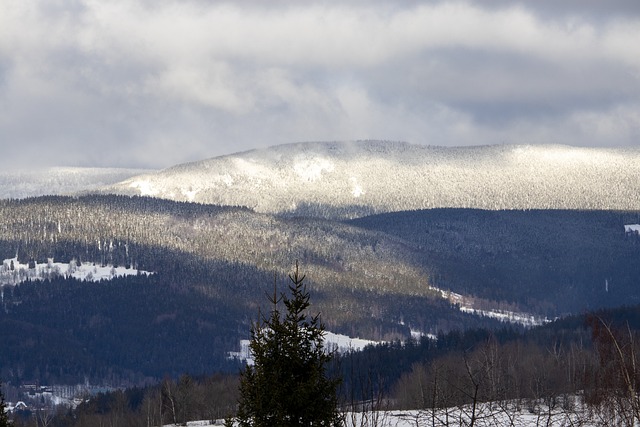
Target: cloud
<point>154,83</point>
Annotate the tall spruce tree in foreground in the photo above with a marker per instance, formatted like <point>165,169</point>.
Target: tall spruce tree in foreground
<point>288,383</point>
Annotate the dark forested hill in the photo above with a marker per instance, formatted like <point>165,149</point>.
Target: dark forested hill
<point>548,261</point>
<point>121,331</point>
<point>373,278</point>
<point>211,268</point>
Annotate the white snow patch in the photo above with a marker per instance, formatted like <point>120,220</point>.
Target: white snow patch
<point>632,228</point>
<point>12,272</point>
<point>344,343</point>
<point>311,169</point>
<point>227,180</point>
<point>244,354</point>
<point>534,413</point>
<point>357,189</point>
<point>465,305</point>
<point>190,194</point>
<point>332,342</point>
<point>508,316</point>
<point>144,187</point>
<point>419,334</point>
<point>250,168</point>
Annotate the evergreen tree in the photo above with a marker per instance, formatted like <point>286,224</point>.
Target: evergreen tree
<point>288,384</point>
<point>4,421</point>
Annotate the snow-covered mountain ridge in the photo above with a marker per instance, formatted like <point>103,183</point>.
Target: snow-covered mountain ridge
<point>20,184</point>
<point>360,178</point>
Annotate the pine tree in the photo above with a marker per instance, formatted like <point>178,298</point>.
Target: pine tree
<point>288,384</point>
<point>4,421</point>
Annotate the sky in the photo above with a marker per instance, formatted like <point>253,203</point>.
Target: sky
<point>154,83</point>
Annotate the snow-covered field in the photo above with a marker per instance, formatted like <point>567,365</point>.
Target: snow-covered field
<point>523,414</point>
<point>12,272</point>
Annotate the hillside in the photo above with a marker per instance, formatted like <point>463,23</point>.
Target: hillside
<point>399,273</point>
<point>549,262</point>
<point>347,180</point>
<point>212,265</point>
<point>211,269</point>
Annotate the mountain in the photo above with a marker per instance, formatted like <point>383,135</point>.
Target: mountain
<point>347,180</point>
<point>211,268</point>
<point>377,266</point>
<point>19,184</point>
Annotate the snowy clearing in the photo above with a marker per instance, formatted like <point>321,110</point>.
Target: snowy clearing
<point>333,342</point>
<point>632,228</point>
<point>465,305</point>
<point>516,414</point>
<point>13,272</point>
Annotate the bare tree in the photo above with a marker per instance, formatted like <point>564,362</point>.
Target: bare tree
<point>615,392</point>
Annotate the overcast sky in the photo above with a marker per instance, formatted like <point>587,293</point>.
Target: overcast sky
<point>153,83</point>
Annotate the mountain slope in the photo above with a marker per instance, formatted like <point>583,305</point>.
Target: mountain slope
<point>212,266</point>
<point>358,275</point>
<point>549,262</point>
<point>345,180</point>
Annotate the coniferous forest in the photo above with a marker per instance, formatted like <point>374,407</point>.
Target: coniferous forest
<point>553,372</point>
<point>204,271</point>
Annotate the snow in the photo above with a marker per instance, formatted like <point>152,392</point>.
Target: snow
<point>199,423</point>
<point>344,343</point>
<point>496,414</point>
<point>244,354</point>
<point>87,272</point>
<point>524,414</point>
<point>333,342</point>
<point>632,228</point>
<point>415,334</point>
<point>382,176</point>
<point>465,304</point>
<point>357,189</point>
<point>327,178</point>
<point>508,316</point>
<point>190,194</point>
<point>311,169</point>
<point>145,187</point>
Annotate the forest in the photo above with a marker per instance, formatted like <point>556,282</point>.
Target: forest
<point>555,262</point>
<point>381,277</point>
<point>581,368</point>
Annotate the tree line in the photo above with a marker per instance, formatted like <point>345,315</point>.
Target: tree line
<point>582,369</point>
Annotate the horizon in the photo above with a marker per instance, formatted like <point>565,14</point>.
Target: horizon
<point>26,170</point>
